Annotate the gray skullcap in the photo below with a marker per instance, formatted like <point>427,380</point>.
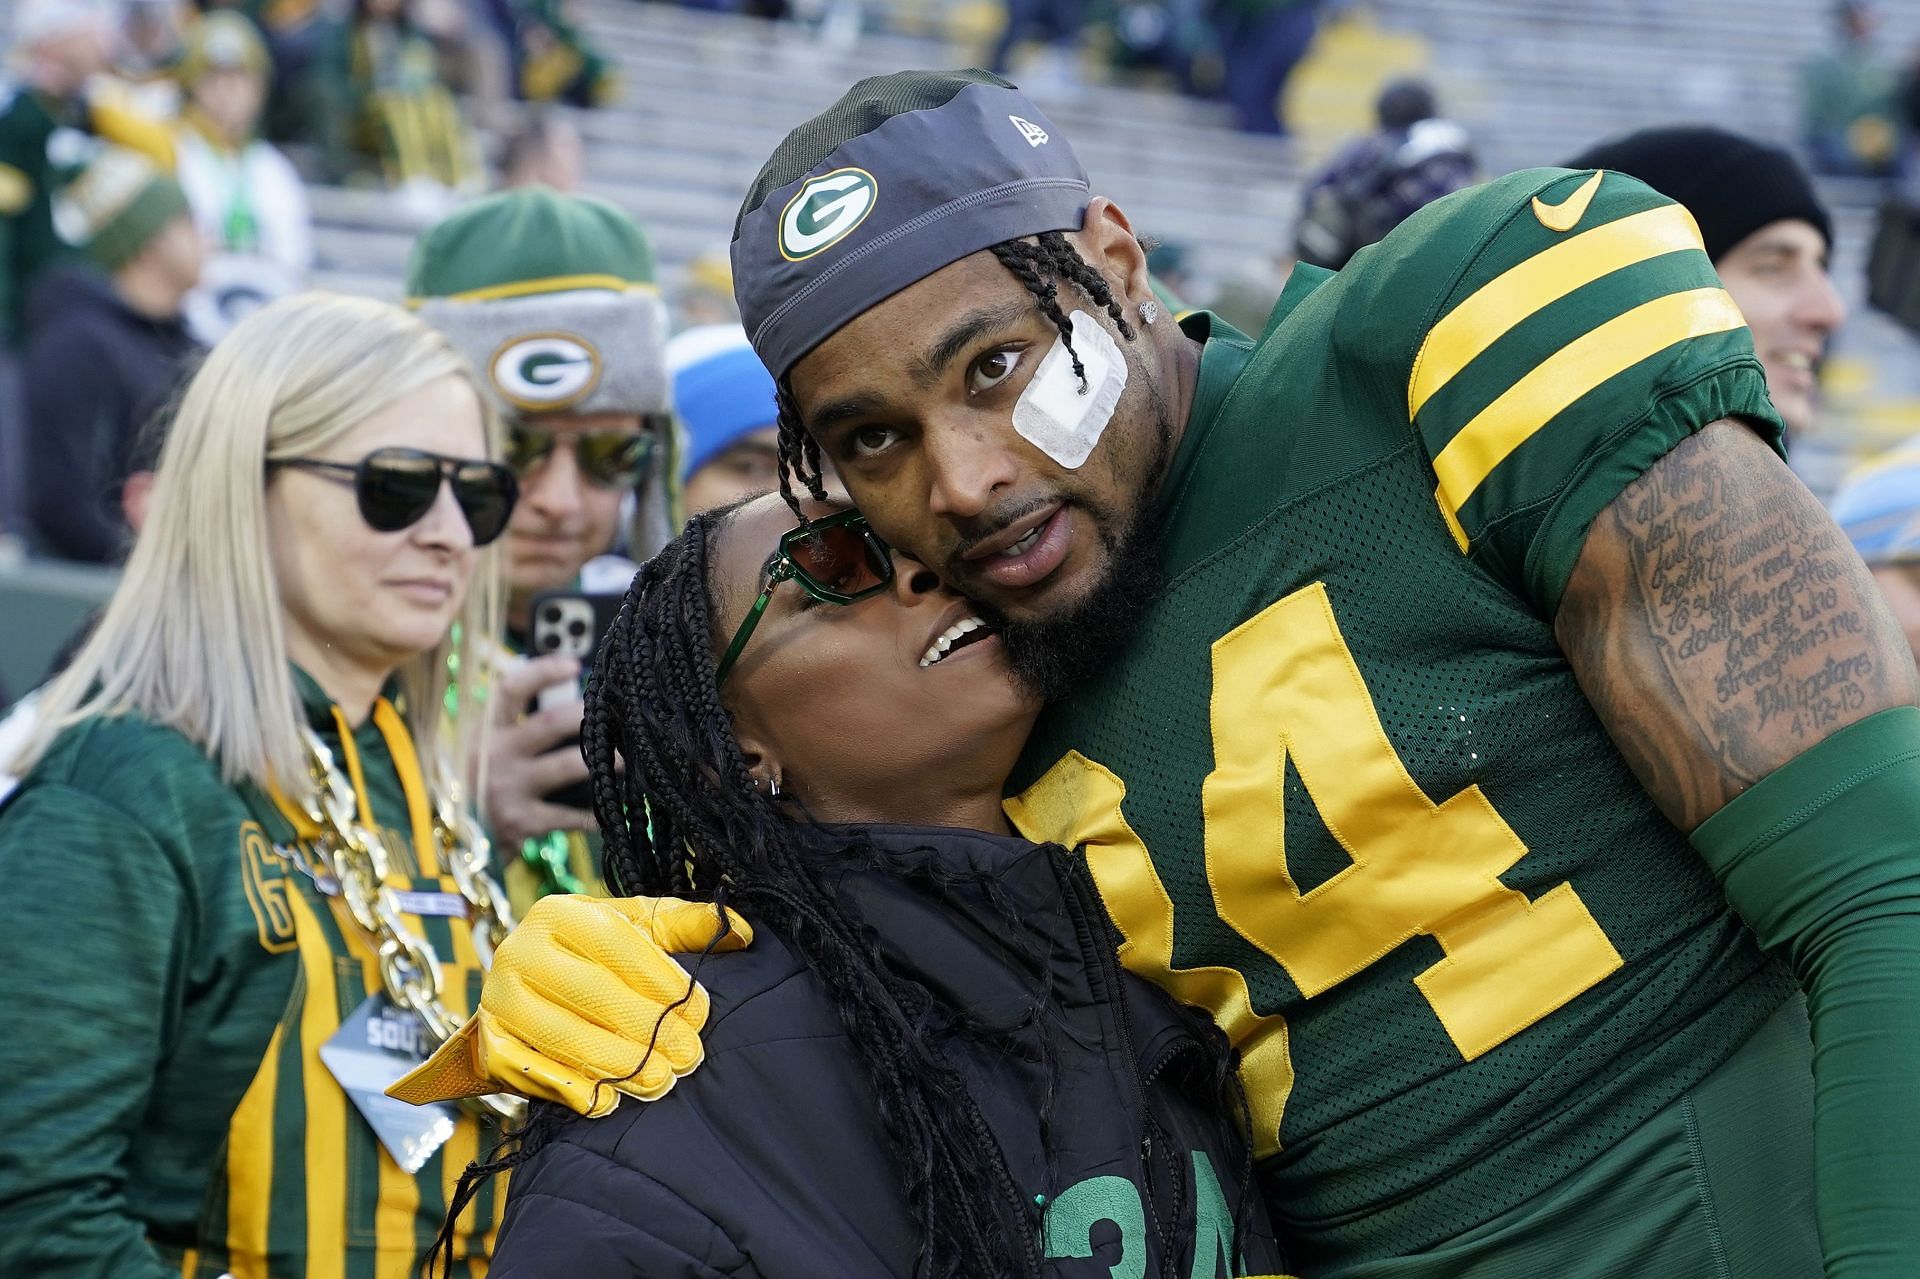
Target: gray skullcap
<point>905,174</point>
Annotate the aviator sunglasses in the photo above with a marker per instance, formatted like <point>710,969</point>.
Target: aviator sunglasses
<point>836,559</point>
<point>397,487</point>
<point>608,459</point>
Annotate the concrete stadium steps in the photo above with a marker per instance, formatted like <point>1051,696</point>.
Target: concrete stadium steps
<point>707,98</point>
<point>1560,77</point>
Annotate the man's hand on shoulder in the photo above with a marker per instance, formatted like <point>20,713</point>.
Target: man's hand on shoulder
<point>585,1002</point>
<point>1721,624</point>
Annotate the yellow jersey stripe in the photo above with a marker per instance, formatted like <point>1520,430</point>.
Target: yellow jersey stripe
<point>354,775</point>
<point>1503,302</point>
<point>1569,373</point>
<point>326,1102</point>
<point>396,1249</point>
<point>412,784</point>
<point>250,1136</point>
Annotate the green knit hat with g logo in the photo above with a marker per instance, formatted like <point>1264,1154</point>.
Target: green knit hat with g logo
<point>553,299</point>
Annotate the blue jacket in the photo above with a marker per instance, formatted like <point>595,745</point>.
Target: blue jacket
<point>770,1159</point>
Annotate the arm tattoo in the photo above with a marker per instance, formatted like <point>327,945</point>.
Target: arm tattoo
<point>1720,624</point>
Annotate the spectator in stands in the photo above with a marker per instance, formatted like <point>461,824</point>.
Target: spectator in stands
<point>52,120</point>
<point>1768,235</point>
<point>1879,510</point>
<point>725,401</point>
<point>1848,119</point>
<point>308,97</point>
<point>152,39</point>
<point>1262,41</point>
<point>109,347</point>
<point>705,295</point>
<point>556,61</point>
<point>246,198</point>
<point>553,299</point>
<point>1055,23</point>
<point>405,119</point>
<point>1375,182</point>
<point>315,547</point>
<point>547,151</point>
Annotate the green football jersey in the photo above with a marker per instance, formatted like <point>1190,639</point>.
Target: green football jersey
<point>1342,788</point>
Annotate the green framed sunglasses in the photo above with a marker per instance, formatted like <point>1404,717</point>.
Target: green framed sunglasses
<point>837,559</point>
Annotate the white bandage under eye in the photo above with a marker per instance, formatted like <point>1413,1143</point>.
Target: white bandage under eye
<point>1053,413</point>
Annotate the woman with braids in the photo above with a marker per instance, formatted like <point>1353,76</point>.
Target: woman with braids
<point>928,1062</point>
<point>241,890</point>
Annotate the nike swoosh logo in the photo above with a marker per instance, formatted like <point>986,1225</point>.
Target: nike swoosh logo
<point>1566,215</point>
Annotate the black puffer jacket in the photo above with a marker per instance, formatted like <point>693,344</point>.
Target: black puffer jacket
<point>95,373</point>
<point>770,1159</point>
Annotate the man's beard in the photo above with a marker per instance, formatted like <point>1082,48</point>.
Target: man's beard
<point>1051,655</point>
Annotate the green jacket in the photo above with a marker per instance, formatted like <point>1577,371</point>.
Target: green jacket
<point>166,1109</point>
<point>28,178</point>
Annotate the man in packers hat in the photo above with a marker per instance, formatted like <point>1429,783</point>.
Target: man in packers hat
<point>1452,691</point>
<point>553,299</point>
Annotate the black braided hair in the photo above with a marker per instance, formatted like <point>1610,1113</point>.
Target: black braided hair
<point>683,818</point>
<point>1039,263</point>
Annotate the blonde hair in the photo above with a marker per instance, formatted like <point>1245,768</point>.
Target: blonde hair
<point>193,637</point>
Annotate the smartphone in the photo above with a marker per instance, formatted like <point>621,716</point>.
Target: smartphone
<point>571,623</point>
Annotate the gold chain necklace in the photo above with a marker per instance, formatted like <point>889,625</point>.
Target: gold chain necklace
<point>359,859</point>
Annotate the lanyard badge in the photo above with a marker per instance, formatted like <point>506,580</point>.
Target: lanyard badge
<point>380,1042</point>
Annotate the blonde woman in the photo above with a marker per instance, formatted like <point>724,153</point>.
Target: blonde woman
<point>238,894</point>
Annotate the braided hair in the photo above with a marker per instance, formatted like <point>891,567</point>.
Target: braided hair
<point>1039,263</point>
<point>683,818</point>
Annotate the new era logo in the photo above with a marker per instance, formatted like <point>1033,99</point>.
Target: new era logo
<point>1033,133</point>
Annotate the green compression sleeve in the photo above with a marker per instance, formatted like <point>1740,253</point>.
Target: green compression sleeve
<point>1822,859</point>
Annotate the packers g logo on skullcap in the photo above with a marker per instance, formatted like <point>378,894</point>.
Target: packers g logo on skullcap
<point>825,211</point>
<point>926,166</point>
<point>545,372</point>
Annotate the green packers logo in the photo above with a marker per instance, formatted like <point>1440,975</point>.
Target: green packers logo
<point>825,211</point>
<point>544,372</point>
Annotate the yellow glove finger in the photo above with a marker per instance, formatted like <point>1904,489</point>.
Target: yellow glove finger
<point>631,939</point>
<point>510,1065</point>
<point>604,974</point>
<point>515,1067</point>
<point>479,1060</point>
<point>682,927</point>
<point>569,1011</point>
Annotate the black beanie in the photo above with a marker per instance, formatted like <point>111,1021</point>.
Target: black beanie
<point>1732,185</point>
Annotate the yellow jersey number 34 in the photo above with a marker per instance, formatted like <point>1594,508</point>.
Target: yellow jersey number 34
<point>1285,685</point>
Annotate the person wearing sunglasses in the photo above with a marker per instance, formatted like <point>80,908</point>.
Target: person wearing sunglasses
<point>552,298</point>
<point>243,888</point>
<point>928,1061</point>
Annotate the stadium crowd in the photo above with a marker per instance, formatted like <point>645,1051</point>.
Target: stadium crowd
<point>517,601</point>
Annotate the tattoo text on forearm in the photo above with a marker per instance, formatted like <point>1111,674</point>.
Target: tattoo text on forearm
<point>1739,627</point>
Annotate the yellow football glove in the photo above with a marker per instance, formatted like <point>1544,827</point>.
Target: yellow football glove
<point>577,994</point>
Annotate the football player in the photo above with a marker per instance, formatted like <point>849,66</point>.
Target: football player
<point>1454,691</point>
